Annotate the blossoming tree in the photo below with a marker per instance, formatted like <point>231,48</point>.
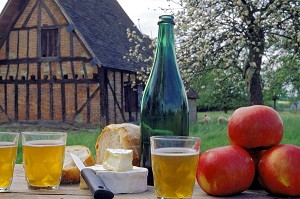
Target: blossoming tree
<point>241,34</point>
<point>232,37</point>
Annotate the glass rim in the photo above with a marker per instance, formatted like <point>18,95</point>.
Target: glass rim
<point>174,137</point>
<point>42,133</point>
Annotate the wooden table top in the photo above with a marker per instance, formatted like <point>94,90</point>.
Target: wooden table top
<point>19,189</point>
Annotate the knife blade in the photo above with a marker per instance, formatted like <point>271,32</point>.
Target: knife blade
<point>94,182</point>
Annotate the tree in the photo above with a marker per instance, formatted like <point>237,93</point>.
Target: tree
<point>218,91</point>
<point>239,33</point>
<point>282,81</point>
<point>238,37</point>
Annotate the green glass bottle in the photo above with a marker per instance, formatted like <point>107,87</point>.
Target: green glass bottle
<point>164,108</point>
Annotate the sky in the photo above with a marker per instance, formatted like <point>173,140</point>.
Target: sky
<point>143,13</point>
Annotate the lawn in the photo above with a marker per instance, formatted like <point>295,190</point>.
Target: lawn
<point>211,134</point>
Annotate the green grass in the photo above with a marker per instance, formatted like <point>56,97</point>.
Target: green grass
<point>291,124</point>
<point>214,135</point>
<point>211,134</point>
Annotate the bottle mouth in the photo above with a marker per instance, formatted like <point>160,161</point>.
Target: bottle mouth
<point>166,19</point>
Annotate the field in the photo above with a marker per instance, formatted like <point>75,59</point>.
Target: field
<point>211,134</point>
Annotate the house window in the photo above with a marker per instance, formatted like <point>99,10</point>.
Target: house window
<point>133,95</point>
<point>49,42</point>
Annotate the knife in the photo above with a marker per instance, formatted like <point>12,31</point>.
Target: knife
<point>94,182</point>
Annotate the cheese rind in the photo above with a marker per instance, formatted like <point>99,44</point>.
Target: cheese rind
<point>132,181</point>
<point>118,159</point>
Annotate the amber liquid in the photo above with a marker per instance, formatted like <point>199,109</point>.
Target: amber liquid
<point>174,171</point>
<point>7,161</point>
<point>43,161</point>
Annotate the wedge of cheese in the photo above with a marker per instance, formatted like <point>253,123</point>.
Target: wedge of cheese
<point>118,160</point>
<point>131,181</point>
<point>118,174</point>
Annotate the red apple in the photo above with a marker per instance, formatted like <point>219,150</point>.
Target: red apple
<point>225,171</point>
<point>279,170</point>
<point>255,126</point>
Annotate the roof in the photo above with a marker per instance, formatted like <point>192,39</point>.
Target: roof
<point>10,13</point>
<point>101,25</point>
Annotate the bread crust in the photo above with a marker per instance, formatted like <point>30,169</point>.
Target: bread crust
<point>119,136</point>
<point>70,172</point>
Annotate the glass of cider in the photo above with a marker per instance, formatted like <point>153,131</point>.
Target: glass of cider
<point>43,158</point>
<point>174,164</point>
<point>8,153</point>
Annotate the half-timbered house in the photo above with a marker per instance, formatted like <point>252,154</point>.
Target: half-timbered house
<point>62,60</point>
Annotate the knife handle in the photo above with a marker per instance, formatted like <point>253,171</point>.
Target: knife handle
<point>95,184</point>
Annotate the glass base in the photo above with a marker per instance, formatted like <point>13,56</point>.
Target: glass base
<point>6,189</point>
<point>43,188</point>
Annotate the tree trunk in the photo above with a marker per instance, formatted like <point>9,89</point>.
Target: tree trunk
<point>253,65</point>
<point>274,104</point>
<point>254,87</point>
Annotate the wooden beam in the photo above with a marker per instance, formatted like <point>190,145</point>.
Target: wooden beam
<point>18,44</point>
<point>39,92</point>
<point>63,101</point>
<point>62,91</point>
<point>16,102</point>
<point>75,97</point>
<point>5,98</point>
<point>103,98</point>
<point>35,27</point>
<point>129,112</point>
<point>5,112</point>
<point>51,92</point>
<point>49,12</point>
<point>114,91</point>
<point>27,102</point>
<point>17,95</point>
<point>7,47</point>
<point>27,52</point>
<point>21,8</point>
<point>7,71</point>
<point>30,14</point>
<point>43,59</point>
<point>99,80</point>
<point>58,42</point>
<point>39,30</point>
<point>87,102</point>
<point>47,81</point>
<point>72,53</point>
<point>115,100</point>
<point>122,92</point>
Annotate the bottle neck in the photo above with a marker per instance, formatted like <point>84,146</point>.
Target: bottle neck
<point>165,42</point>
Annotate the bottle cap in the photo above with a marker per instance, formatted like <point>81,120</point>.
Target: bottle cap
<point>166,19</point>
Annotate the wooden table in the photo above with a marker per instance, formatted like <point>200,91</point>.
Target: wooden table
<point>19,190</point>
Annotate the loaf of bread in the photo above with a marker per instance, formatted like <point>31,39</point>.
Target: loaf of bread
<point>70,172</point>
<point>119,136</point>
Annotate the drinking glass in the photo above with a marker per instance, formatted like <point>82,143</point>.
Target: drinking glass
<point>174,164</point>
<point>8,153</point>
<point>43,158</point>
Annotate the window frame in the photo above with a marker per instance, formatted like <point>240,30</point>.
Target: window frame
<point>133,96</point>
<point>49,42</point>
